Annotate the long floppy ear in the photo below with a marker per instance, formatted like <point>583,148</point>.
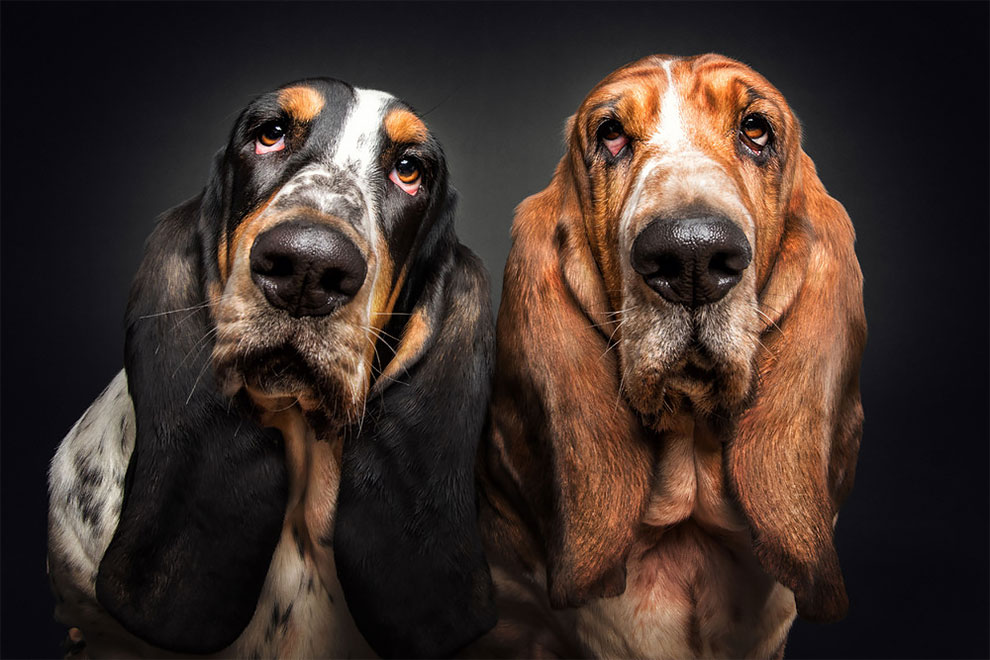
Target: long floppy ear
<point>793,459</point>
<point>579,457</point>
<point>205,491</point>
<point>406,540</point>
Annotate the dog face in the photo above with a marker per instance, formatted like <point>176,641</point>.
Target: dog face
<point>327,188</point>
<point>319,272</point>
<point>684,266</point>
<point>689,162</point>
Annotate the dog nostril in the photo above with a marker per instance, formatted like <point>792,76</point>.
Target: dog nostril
<point>727,264</point>
<point>281,266</point>
<point>668,266</point>
<point>334,280</point>
<point>275,266</point>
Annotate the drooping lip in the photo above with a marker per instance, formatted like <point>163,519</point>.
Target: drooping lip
<point>280,372</point>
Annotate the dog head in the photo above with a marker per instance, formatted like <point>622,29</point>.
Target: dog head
<point>688,261</point>
<point>319,271</point>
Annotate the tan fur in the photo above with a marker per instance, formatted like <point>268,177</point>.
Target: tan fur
<point>403,127</point>
<point>383,298</point>
<point>314,476</point>
<point>222,262</point>
<point>341,353</point>
<point>302,102</point>
<point>243,238</point>
<point>414,337</point>
<point>680,514</point>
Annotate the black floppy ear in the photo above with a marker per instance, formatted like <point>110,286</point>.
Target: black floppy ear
<point>205,491</point>
<point>406,540</point>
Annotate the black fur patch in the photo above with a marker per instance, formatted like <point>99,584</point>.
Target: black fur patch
<point>205,490</point>
<point>409,555</point>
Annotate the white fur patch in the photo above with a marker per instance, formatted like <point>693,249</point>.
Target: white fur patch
<point>357,150</point>
<point>671,135</point>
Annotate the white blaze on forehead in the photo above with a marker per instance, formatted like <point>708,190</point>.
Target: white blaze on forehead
<point>355,156</point>
<point>358,146</point>
<point>671,134</point>
<point>357,151</point>
<point>671,137</point>
<point>687,170</point>
<point>359,141</point>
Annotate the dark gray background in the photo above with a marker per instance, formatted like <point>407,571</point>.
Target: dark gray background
<point>111,113</point>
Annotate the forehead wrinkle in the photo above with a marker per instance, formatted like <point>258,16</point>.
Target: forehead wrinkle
<point>628,76</point>
<point>632,99</point>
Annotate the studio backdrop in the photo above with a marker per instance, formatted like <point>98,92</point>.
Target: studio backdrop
<point>111,114</point>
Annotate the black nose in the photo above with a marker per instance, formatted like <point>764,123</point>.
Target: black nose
<point>307,269</point>
<point>693,261</point>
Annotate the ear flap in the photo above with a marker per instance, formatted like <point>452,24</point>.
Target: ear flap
<point>794,455</point>
<point>406,541</point>
<point>205,491</point>
<point>581,462</point>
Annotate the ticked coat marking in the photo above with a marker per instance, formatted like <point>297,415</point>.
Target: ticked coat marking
<point>285,466</point>
<point>299,614</point>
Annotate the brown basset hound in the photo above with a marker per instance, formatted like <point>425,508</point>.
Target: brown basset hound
<point>676,412</point>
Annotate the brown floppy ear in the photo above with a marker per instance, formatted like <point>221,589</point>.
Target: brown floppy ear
<point>579,461</point>
<point>794,455</point>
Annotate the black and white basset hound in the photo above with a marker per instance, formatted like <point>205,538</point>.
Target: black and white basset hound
<point>285,465</point>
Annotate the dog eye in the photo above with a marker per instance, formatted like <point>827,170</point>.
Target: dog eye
<point>611,134</point>
<point>407,174</point>
<point>270,137</point>
<point>756,131</point>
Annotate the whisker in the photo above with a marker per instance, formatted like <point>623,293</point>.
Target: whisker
<point>294,402</point>
<point>193,308</point>
<point>201,343</point>
<point>769,320</point>
<point>377,334</point>
<point>206,365</point>
<point>622,382</point>
<point>621,311</point>
<point>612,344</point>
<point>380,332</point>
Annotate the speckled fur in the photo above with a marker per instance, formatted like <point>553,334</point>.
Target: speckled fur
<point>298,615</point>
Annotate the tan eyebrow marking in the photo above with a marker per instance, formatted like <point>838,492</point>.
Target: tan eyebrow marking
<point>302,103</point>
<point>403,127</point>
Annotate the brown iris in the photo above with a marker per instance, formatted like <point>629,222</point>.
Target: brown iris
<point>756,130</point>
<point>270,133</point>
<point>610,130</point>
<point>407,169</point>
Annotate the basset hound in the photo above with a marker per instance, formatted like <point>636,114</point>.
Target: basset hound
<point>285,466</point>
<point>676,411</point>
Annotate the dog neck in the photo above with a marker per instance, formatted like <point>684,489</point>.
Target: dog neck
<point>313,468</point>
<point>689,482</point>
